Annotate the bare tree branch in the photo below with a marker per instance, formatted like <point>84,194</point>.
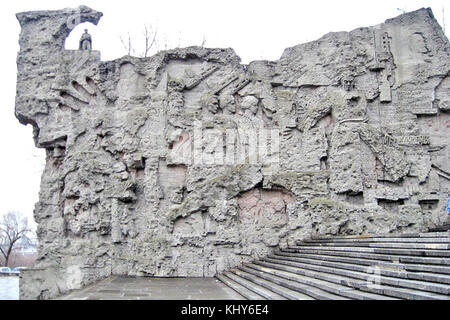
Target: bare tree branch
<point>127,45</point>
<point>203,41</point>
<point>12,229</point>
<point>149,34</point>
<point>150,41</point>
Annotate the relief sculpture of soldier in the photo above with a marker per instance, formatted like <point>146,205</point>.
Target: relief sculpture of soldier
<point>347,107</point>
<point>348,112</point>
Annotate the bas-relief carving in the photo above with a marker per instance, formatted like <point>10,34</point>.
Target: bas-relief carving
<point>151,166</point>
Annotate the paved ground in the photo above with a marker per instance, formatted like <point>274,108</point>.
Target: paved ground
<point>146,288</point>
<point>9,288</point>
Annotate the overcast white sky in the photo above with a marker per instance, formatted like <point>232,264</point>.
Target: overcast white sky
<point>254,29</point>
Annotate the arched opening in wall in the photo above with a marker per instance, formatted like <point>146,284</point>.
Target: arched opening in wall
<point>73,40</point>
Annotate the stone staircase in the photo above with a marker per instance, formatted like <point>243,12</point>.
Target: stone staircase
<point>387,267</point>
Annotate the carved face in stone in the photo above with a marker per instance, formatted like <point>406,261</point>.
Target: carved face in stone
<point>348,82</point>
<point>250,103</point>
<point>175,84</point>
<point>227,102</point>
<point>210,102</point>
<point>417,43</point>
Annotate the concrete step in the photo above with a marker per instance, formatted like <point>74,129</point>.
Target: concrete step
<point>404,235</point>
<point>243,291</point>
<point>284,292</point>
<point>250,285</point>
<point>370,255</point>
<point>365,281</point>
<point>419,281</point>
<point>408,266</point>
<point>394,245</point>
<point>408,252</point>
<point>332,290</point>
<point>376,240</point>
<point>389,271</point>
<point>365,262</point>
<point>303,287</point>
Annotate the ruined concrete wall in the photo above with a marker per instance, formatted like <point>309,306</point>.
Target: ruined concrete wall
<point>188,163</point>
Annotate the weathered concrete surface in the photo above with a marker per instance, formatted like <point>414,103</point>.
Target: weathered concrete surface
<point>357,129</point>
<point>146,288</point>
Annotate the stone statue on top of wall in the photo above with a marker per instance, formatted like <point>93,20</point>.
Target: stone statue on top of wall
<point>85,41</point>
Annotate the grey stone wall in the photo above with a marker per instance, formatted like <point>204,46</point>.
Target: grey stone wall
<point>188,163</point>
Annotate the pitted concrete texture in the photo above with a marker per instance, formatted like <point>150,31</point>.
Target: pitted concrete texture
<point>188,163</point>
<point>150,288</point>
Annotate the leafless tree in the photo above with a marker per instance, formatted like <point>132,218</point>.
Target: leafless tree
<point>150,39</point>
<point>13,227</point>
<point>203,41</point>
<point>127,44</point>
<point>152,42</point>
